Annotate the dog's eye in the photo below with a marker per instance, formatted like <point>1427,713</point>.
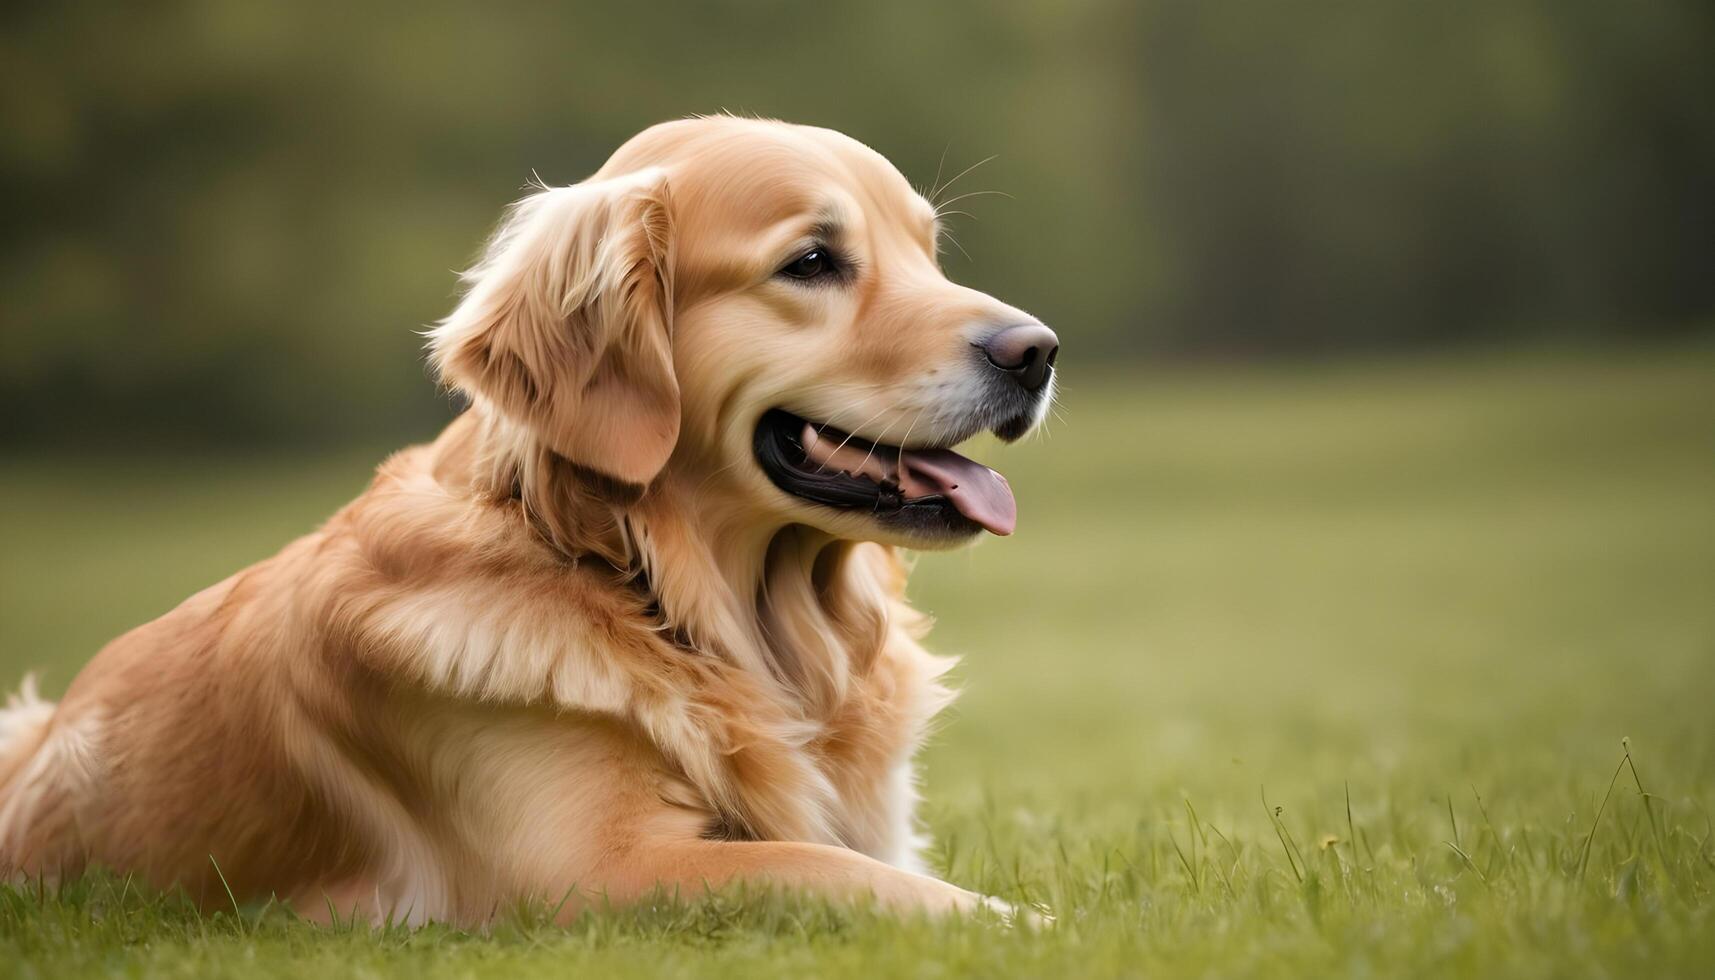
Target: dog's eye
<point>813,264</point>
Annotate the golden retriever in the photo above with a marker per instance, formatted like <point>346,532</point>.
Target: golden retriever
<point>634,620</point>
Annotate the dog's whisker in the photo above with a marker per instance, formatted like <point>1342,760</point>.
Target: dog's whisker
<point>956,177</point>
<point>849,436</point>
<point>967,194</point>
<point>899,461</point>
<point>935,185</point>
<point>958,246</point>
<point>873,443</point>
<point>833,422</point>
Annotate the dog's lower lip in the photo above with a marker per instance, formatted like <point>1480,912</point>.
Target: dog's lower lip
<point>1013,429</point>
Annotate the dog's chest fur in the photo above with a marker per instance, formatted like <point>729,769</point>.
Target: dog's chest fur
<point>411,601</point>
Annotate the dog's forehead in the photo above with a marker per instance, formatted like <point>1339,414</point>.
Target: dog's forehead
<point>760,172</point>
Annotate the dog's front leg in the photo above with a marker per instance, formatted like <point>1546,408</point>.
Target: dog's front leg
<point>689,868</point>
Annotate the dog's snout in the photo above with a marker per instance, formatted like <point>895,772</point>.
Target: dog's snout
<point>1026,352</point>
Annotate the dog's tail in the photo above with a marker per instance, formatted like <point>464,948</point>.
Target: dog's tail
<point>23,723</point>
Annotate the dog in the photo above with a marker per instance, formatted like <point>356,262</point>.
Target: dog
<point>634,622</point>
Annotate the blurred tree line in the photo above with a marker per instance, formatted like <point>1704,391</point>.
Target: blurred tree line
<point>225,221</point>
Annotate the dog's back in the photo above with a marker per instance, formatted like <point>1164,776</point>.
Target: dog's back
<point>164,754</point>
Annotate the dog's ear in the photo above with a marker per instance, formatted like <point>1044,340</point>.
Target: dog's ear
<point>566,327</point>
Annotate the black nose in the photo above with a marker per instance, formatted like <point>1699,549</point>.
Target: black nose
<point>1026,352</point>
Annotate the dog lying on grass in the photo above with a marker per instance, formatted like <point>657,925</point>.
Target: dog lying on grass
<point>635,620</point>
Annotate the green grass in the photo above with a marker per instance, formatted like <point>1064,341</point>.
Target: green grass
<point>1416,605</point>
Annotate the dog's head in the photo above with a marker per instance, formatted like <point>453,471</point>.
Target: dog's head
<point>755,309</point>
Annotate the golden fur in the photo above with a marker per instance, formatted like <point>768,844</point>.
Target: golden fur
<point>577,645</point>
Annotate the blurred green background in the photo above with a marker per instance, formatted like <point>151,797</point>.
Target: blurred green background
<point>224,221</point>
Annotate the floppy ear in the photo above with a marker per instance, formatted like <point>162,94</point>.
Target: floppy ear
<point>566,327</point>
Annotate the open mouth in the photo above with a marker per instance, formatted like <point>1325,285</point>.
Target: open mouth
<point>927,491</point>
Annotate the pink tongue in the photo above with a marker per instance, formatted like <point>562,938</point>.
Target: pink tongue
<point>978,492</point>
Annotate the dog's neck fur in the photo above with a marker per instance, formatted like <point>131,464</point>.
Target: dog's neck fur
<point>792,604</point>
